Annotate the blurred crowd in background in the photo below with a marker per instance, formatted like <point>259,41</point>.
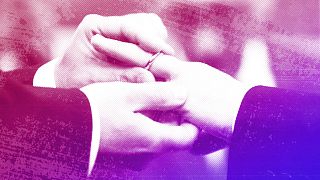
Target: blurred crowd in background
<point>273,43</point>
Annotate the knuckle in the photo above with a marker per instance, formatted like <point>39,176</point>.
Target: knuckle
<point>154,16</point>
<point>90,19</point>
<point>157,19</point>
<point>132,75</point>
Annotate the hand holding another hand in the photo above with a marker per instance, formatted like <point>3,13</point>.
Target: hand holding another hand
<point>214,97</point>
<point>83,64</point>
<point>125,130</point>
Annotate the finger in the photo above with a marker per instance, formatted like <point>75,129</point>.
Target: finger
<point>164,66</point>
<point>122,51</point>
<point>147,31</point>
<point>155,96</point>
<point>117,73</point>
<point>137,75</point>
<point>181,137</point>
<point>167,67</point>
<point>153,44</point>
<point>167,137</point>
<point>149,39</point>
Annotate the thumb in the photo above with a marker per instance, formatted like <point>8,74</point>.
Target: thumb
<point>123,74</point>
<point>137,75</point>
<point>155,96</point>
<point>181,137</point>
<point>169,137</point>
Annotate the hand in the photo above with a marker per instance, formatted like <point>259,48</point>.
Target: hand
<point>82,64</point>
<point>214,97</point>
<point>125,130</point>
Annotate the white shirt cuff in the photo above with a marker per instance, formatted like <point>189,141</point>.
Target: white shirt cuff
<point>44,76</point>
<point>95,141</point>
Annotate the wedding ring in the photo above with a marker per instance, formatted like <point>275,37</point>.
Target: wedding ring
<point>152,59</point>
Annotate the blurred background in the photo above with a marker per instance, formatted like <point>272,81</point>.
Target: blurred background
<point>272,43</point>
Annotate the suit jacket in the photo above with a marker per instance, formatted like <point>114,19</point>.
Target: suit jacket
<point>44,133</point>
<point>276,136</point>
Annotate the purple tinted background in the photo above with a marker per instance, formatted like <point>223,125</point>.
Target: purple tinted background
<point>214,32</point>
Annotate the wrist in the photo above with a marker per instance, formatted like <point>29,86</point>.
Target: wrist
<point>239,94</point>
<point>229,108</point>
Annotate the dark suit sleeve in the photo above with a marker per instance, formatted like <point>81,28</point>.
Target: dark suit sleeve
<point>276,136</point>
<point>44,133</point>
